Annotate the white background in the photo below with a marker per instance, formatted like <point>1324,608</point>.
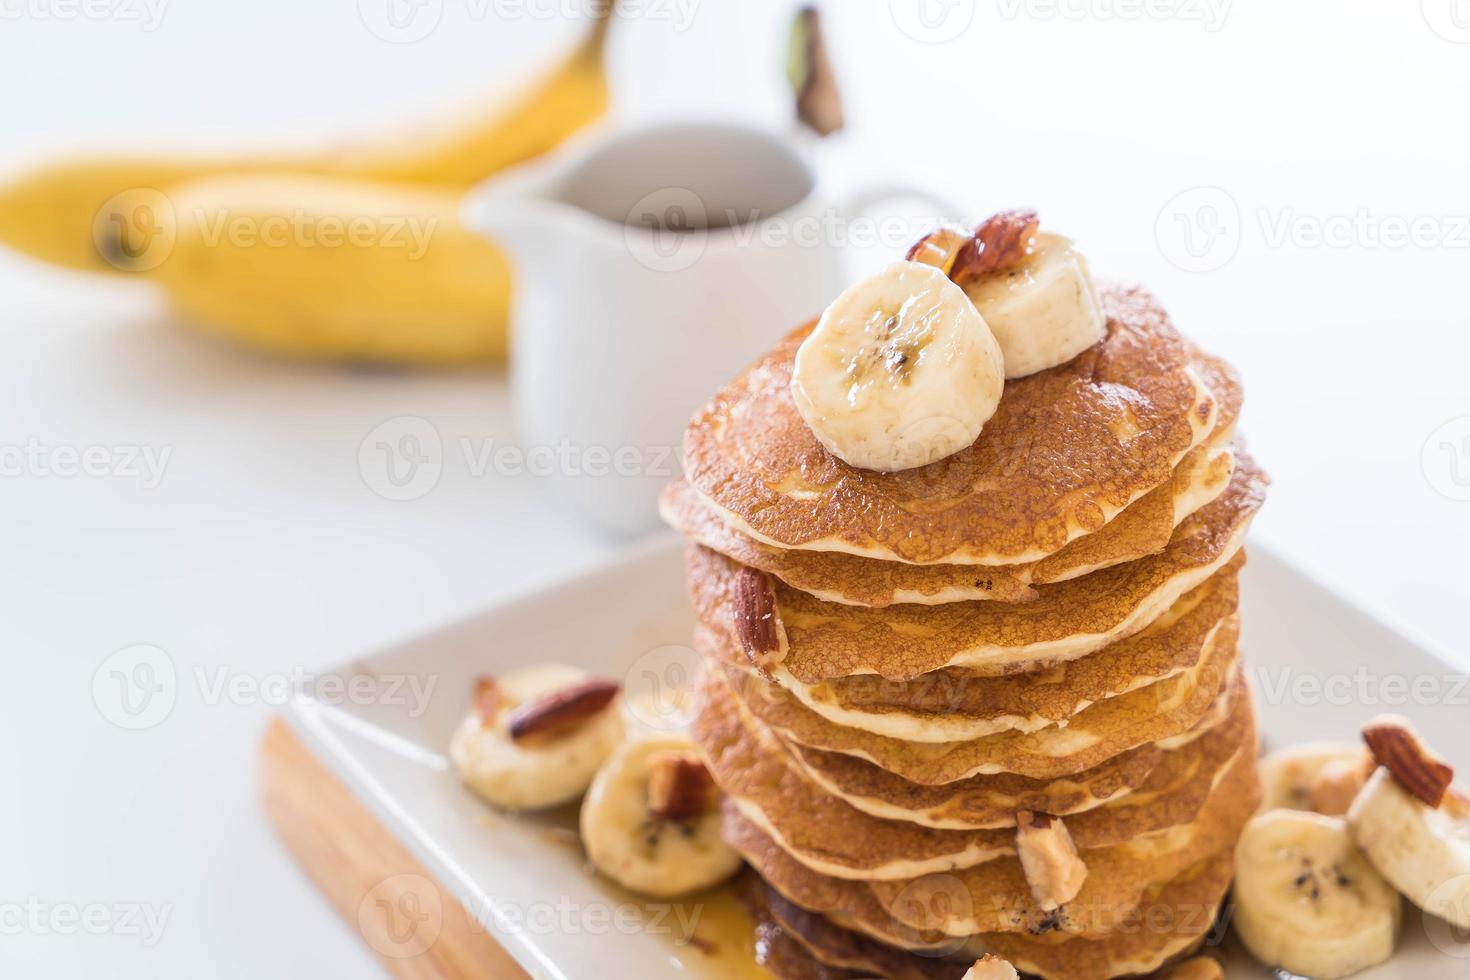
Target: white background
<point>264,552</point>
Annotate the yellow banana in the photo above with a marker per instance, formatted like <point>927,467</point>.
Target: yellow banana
<point>329,268</point>
<point>53,212</point>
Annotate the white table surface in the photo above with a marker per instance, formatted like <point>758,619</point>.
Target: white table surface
<point>262,552</point>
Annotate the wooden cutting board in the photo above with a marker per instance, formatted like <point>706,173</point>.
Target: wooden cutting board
<point>414,925</point>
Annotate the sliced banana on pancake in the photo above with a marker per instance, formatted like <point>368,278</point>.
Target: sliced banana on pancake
<point>1296,777</point>
<point>651,821</point>
<point>900,372</point>
<point>1307,900</point>
<point>1044,310</point>
<point>535,737</point>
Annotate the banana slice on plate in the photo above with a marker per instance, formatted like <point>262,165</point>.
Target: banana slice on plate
<point>651,821</point>
<point>900,371</point>
<point>536,737</point>
<point>1043,309</point>
<point>1307,900</point>
<point>1424,851</point>
<point>1305,776</point>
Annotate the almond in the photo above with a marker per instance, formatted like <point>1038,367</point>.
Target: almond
<point>679,786</point>
<point>487,699</point>
<point>939,247</point>
<point>1049,857</point>
<point>756,624</point>
<point>991,967</point>
<point>1336,784</point>
<point>561,711</point>
<point>1199,968</point>
<point>1397,747</point>
<point>998,243</point>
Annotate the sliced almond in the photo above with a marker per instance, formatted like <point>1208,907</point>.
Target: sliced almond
<point>991,967</point>
<point>939,247</point>
<point>1199,968</point>
<point>680,787</point>
<point>1397,746</point>
<point>1001,241</point>
<point>1054,870</point>
<point>756,624</point>
<point>1336,784</point>
<point>561,711</point>
<point>487,699</point>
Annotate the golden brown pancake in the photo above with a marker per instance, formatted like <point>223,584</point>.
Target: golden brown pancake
<point>1174,920</point>
<point>1067,620</point>
<point>994,897</point>
<point>1160,710</point>
<point>952,704</point>
<point>988,801</point>
<point>1143,528</point>
<point>1116,880</point>
<point>830,836</point>
<point>1066,451</point>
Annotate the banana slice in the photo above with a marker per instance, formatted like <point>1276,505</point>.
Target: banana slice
<point>1423,851</point>
<point>1044,310</point>
<point>899,372</point>
<point>535,737</point>
<point>1307,900</point>
<point>1290,775</point>
<point>651,820</point>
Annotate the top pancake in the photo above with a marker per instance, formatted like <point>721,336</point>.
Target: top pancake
<point>1066,451</point>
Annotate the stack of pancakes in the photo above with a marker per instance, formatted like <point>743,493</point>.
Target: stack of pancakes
<point>898,664</point>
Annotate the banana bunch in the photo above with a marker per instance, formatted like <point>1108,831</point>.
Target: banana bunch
<point>355,252</point>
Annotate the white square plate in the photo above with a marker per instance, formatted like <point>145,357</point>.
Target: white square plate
<point>1320,669</point>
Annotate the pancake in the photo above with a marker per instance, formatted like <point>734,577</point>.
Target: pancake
<point>795,944</point>
<point>983,802</point>
<point>1174,920</point>
<point>832,837</point>
<point>1143,528</point>
<point>1066,621</point>
<point>1094,735</point>
<point>1066,451</point>
<point>951,704</point>
<point>1117,876</point>
<point>994,897</point>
